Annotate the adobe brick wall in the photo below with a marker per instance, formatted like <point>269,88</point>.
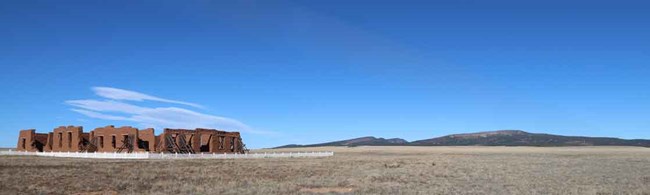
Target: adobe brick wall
<point>228,142</point>
<point>110,139</point>
<point>217,144</point>
<point>25,138</point>
<point>148,138</point>
<point>85,136</point>
<point>205,137</point>
<point>41,141</point>
<point>207,140</point>
<point>66,139</point>
<point>49,141</point>
<point>191,137</point>
<point>30,141</point>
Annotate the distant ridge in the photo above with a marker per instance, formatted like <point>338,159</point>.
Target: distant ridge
<point>522,138</point>
<point>489,138</point>
<point>362,141</point>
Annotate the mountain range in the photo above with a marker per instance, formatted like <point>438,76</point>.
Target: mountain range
<point>488,138</point>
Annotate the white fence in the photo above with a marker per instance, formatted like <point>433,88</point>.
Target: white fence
<point>168,155</point>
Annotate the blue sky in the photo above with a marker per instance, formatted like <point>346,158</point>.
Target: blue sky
<point>313,71</point>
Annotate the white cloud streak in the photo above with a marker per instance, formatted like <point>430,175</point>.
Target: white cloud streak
<point>121,94</point>
<point>158,117</point>
<point>92,114</point>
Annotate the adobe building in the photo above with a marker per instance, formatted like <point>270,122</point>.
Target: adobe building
<point>129,139</point>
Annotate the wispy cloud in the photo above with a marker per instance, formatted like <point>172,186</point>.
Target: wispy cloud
<point>121,94</point>
<point>98,115</point>
<point>115,108</point>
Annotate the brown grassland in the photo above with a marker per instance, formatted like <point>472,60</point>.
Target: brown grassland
<point>357,170</point>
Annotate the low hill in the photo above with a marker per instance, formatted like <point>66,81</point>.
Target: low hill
<point>522,138</point>
<point>489,138</point>
<point>362,141</point>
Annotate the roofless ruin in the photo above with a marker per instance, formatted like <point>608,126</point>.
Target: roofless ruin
<point>128,139</point>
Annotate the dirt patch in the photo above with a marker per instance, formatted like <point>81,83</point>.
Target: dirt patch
<point>327,190</point>
<point>105,192</point>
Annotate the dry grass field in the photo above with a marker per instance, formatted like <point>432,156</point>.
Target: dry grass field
<point>358,170</point>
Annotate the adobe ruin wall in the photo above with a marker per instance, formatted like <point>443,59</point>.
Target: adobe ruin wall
<point>130,139</point>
